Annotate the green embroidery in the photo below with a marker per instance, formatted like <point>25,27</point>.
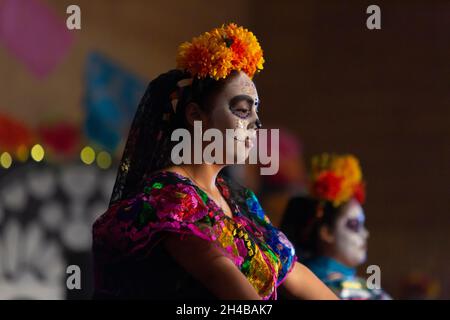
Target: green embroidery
<point>157,185</point>
<point>206,219</point>
<point>147,190</point>
<point>245,266</point>
<point>147,214</point>
<point>180,195</point>
<point>203,195</point>
<point>269,251</point>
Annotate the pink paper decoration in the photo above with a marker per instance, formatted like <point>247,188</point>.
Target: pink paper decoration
<point>35,34</point>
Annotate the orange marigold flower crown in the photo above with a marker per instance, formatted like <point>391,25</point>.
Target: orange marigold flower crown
<point>220,51</point>
<point>337,178</point>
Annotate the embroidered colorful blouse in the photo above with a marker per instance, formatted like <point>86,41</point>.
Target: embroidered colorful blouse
<point>128,261</point>
<point>343,280</point>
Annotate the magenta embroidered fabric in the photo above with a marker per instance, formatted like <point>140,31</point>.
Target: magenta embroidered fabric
<point>130,263</point>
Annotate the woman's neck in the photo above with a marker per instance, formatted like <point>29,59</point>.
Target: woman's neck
<point>204,175</point>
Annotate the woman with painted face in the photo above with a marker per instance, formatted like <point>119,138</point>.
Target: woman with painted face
<point>176,227</point>
<point>327,227</point>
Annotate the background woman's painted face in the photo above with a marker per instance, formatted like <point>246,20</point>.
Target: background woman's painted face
<point>351,235</point>
<point>235,107</point>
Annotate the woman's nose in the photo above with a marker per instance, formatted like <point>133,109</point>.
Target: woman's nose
<point>255,124</point>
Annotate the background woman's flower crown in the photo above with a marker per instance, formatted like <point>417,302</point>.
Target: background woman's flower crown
<point>220,51</point>
<point>337,178</point>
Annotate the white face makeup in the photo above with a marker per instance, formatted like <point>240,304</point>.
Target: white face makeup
<point>351,235</point>
<point>236,107</point>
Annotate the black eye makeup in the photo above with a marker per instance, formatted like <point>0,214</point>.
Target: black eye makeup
<point>241,106</point>
<point>242,111</point>
<point>354,224</point>
<point>257,105</point>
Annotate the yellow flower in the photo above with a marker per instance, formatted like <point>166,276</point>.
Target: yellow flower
<point>348,167</point>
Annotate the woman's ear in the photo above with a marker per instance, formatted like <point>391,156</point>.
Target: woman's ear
<point>326,235</point>
<point>193,113</point>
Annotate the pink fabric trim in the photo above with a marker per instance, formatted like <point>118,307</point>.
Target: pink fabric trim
<point>290,269</point>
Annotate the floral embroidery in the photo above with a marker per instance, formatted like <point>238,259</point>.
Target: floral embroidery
<point>178,202</point>
<point>170,202</point>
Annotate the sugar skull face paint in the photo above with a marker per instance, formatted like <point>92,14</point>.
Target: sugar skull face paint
<point>351,235</point>
<point>235,107</point>
<point>241,106</point>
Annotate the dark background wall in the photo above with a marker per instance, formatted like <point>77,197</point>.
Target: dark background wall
<point>382,95</point>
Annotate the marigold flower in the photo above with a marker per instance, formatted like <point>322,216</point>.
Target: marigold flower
<point>337,178</point>
<point>327,186</point>
<point>220,51</point>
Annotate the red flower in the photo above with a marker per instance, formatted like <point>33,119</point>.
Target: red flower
<point>327,186</point>
<point>178,202</point>
<point>360,193</point>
